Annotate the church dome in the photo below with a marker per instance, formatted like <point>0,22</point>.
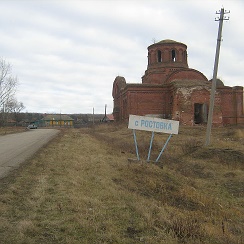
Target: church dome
<point>219,83</point>
<point>169,41</point>
<point>164,58</point>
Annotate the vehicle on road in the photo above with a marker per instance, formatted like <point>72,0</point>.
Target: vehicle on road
<point>32,126</point>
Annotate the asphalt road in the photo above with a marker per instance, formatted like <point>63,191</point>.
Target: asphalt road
<point>17,148</point>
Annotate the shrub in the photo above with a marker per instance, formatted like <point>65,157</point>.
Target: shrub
<point>190,146</point>
<point>186,228</point>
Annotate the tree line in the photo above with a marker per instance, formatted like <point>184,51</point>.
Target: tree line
<point>9,106</point>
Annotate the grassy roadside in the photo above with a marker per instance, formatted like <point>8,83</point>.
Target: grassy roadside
<point>11,130</point>
<point>81,189</point>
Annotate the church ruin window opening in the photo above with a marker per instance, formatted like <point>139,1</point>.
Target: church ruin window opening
<point>173,55</point>
<point>159,56</point>
<point>184,55</point>
<point>200,113</point>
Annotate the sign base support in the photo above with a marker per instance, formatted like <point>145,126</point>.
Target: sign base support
<point>165,145</point>
<point>137,152</point>
<point>150,148</point>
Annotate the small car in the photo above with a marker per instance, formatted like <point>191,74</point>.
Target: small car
<point>32,126</point>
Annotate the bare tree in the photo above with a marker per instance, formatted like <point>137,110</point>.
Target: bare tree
<point>8,83</point>
<point>13,106</point>
<point>12,109</point>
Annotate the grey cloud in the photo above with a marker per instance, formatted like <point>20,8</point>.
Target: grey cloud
<point>72,50</point>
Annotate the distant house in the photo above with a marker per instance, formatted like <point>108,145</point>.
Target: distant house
<point>11,122</point>
<point>27,122</point>
<point>98,118</point>
<point>108,118</point>
<point>57,120</point>
<point>95,118</point>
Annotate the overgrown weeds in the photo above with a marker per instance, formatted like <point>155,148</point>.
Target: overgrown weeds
<point>10,130</point>
<point>186,228</point>
<point>82,189</point>
<point>190,145</point>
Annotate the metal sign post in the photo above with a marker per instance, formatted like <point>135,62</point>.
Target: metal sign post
<point>150,148</point>
<point>166,143</point>
<point>137,153</point>
<point>154,125</point>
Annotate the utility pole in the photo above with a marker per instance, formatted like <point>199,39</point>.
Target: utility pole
<point>93,116</point>
<point>222,12</point>
<point>60,118</point>
<point>105,113</point>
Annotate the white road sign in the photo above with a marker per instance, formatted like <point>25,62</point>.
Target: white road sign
<point>153,124</point>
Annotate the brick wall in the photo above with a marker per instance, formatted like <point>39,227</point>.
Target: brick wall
<point>172,90</point>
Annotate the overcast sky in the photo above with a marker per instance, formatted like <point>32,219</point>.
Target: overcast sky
<point>67,53</point>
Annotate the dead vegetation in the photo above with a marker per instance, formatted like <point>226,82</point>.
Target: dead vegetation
<point>10,130</point>
<point>82,189</point>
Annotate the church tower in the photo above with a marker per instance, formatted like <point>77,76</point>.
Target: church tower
<point>164,58</point>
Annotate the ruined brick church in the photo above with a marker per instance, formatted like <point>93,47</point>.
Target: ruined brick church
<point>172,90</point>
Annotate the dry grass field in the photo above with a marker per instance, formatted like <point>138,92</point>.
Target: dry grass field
<point>10,130</point>
<point>81,188</point>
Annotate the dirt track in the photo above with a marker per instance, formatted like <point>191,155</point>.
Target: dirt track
<point>16,148</point>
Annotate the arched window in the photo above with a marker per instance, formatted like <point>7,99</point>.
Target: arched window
<point>159,56</point>
<point>184,56</point>
<point>173,55</point>
<point>149,58</point>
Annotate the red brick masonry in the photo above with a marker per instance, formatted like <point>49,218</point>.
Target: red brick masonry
<point>172,90</point>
